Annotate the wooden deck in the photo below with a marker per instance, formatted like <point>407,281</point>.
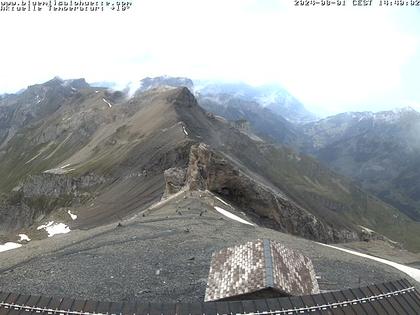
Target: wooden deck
<point>397,297</point>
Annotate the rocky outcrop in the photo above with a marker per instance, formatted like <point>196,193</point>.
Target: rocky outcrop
<point>208,170</point>
<point>183,97</point>
<point>174,180</point>
<point>14,217</point>
<point>54,186</point>
<point>41,194</point>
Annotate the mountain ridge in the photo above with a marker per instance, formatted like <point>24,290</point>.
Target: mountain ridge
<point>109,154</point>
<point>379,150</point>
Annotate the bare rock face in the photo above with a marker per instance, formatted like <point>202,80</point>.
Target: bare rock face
<point>41,194</point>
<point>198,168</point>
<point>15,216</point>
<point>54,186</point>
<point>174,180</point>
<point>183,98</point>
<point>208,170</point>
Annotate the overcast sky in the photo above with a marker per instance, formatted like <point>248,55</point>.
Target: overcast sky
<point>332,59</point>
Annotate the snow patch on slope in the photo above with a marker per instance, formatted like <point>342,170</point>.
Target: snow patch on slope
<point>54,228</point>
<point>109,104</point>
<point>73,216</point>
<point>412,272</point>
<point>185,130</point>
<point>367,229</point>
<point>29,161</point>
<point>221,200</point>
<point>60,170</point>
<point>9,246</point>
<point>44,226</point>
<point>231,216</point>
<point>24,237</point>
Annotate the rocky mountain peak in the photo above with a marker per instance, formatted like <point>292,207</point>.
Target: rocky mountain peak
<point>54,81</point>
<point>182,96</point>
<point>406,109</point>
<point>388,116</point>
<point>59,84</point>
<point>151,83</point>
<point>77,83</point>
<point>273,97</point>
<point>392,116</point>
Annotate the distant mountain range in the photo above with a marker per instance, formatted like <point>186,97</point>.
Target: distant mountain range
<point>105,155</point>
<point>379,150</point>
<point>272,97</point>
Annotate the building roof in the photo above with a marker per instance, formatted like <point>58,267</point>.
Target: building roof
<point>397,297</point>
<point>259,265</point>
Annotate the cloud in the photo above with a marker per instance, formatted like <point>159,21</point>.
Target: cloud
<point>333,59</point>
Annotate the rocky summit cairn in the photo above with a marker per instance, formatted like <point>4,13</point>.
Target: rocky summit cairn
<point>259,269</point>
